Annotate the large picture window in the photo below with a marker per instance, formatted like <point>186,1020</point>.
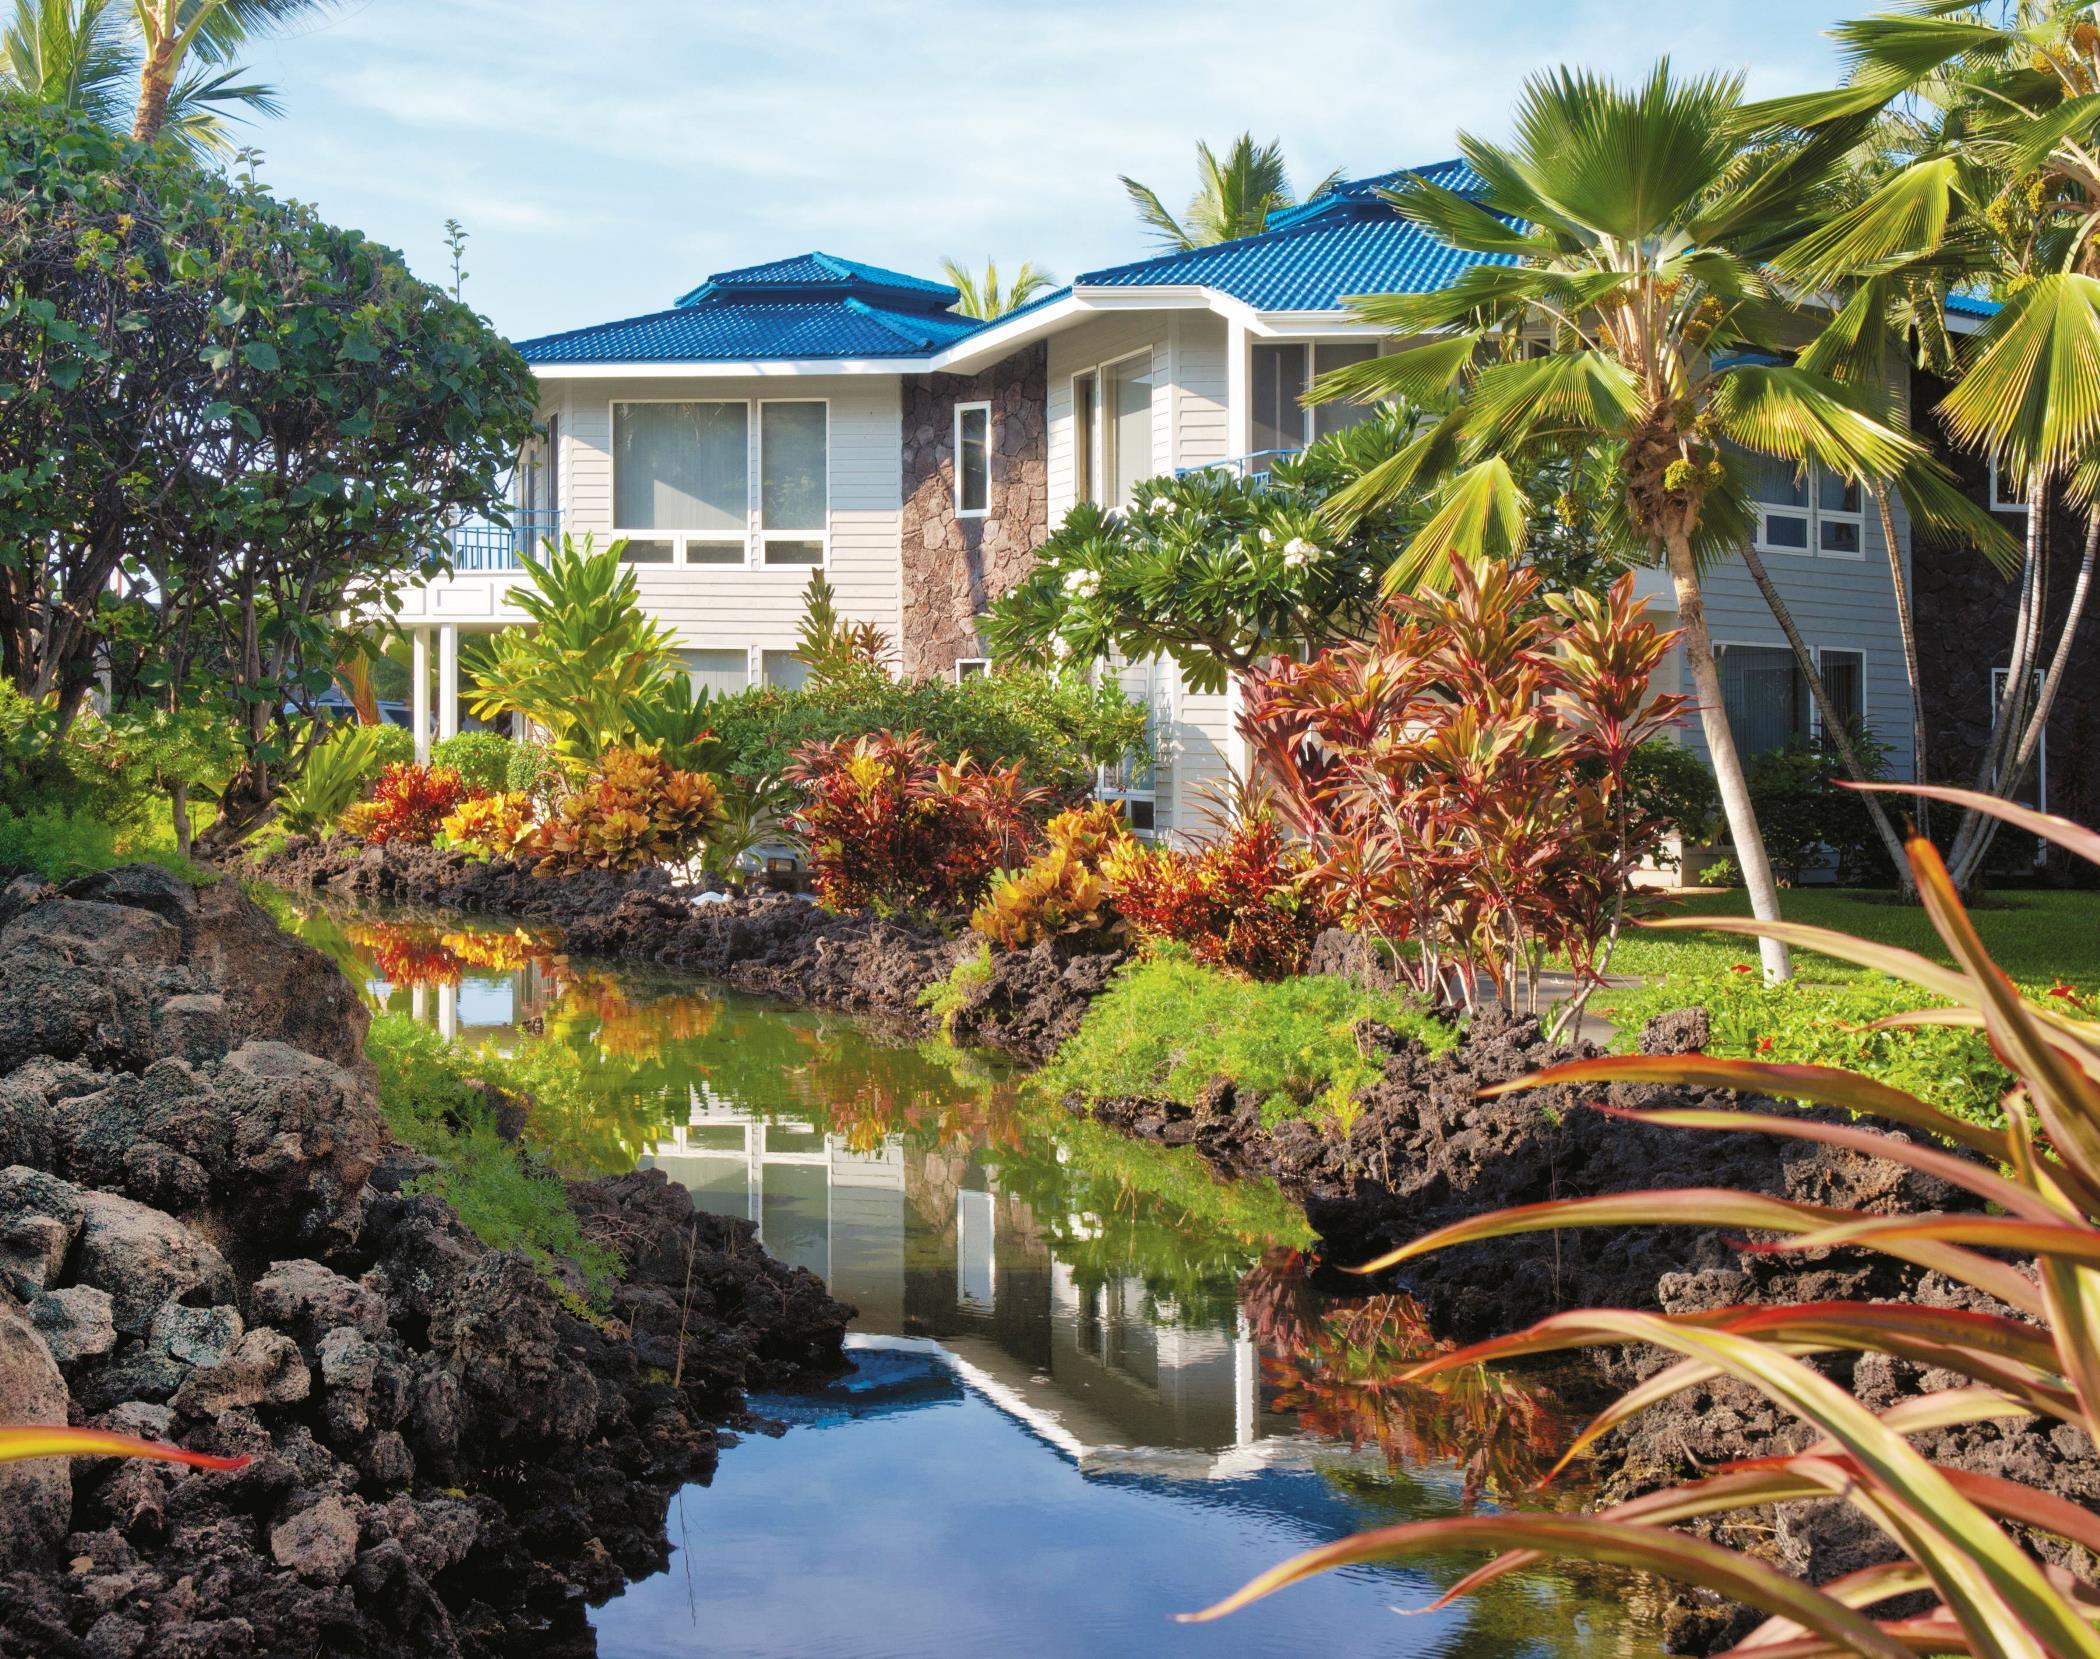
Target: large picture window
<point>1769,702</point>
<point>1280,375</point>
<point>682,480</point>
<point>1127,429</point>
<point>794,487</point>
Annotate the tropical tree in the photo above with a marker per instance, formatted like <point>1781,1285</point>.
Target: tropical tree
<point>1628,312</point>
<point>1234,197</point>
<point>982,296</point>
<point>83,56</point>
<point>2003,190</point>
<point>171,32</point>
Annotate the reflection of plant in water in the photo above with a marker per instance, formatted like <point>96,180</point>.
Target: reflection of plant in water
<point>1332,1364</point>
<point>422,954</point>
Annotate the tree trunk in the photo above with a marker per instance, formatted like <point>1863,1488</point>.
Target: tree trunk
<point>1833,727</point>
<point>1906,625</point>
<point>156,81</point>
<point>1720,749</point>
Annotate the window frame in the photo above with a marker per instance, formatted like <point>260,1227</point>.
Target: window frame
<point>980,407</point>
<point>680,539</point>
<point>1159,703</point>
<point>1090,471</point>
<point>1815,712</point>
<point>1812,514</point>
<point>1309,414</point>
<point>763,538</point>
<point>2000,504</point>
<point>1721,649</point>
<point>978,667</point>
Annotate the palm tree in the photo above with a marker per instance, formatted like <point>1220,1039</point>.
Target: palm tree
<point>2006,190</point>
<point>1233,198</point>
<point>1634,317</point>
<point>81,56</point>
<point>981,297</point>
<point>171,31</point>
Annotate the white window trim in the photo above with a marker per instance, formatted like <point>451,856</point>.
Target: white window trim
<point>680,539</point>
<point>1098,446</point>
<point>982,665</point>
<point>955,463</point>
<point>2000,505</point>
<point>1812,514</point>
<point>764,537</point>
<point>1168,680</point>
<point>1310,344</point>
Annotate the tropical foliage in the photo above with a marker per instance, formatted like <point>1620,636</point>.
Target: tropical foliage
<point>1063,894</point>
<point>56,1440</point>
<point>229,426</point>
<point>2022,1346</point>
<point>489,826</point>
<point>1461,779</point>
<point>1629,315</point>
<point>890,826</point>
<point>984,299</point>
<point>409,804</point>
<point>827,643</point>
<point>1246,901</point>
<point>334,776</point>
<point>633,809</point>
<point>1235,196</point>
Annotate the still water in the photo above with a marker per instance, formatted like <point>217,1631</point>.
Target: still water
<point>1093,1387</point>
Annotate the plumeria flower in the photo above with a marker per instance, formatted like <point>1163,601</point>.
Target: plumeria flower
<point>1268,537</point>
<point>1162,504</point>
<point>1083,584</point>
<point>1298,552</point>
<point>1060,647</point>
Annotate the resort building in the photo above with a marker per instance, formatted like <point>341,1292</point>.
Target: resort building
<point>816,412</point>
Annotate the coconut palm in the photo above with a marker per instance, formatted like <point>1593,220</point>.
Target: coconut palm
<point>82,56</point>
<point>1234,197</point>
<point>2005,189</point>
<point>981,295</point>
<point>1628,310</point>
<point>172,32</point>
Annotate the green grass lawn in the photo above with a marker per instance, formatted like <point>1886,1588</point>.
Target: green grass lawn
<point>2037,937</point>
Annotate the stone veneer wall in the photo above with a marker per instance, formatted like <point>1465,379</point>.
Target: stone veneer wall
<point>1965,612</point>
<point>954,567</point>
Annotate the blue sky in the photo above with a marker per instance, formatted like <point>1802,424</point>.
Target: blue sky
<point>606,156</point>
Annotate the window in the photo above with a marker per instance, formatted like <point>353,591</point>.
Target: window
<point>1803,509</point>
<point>682,471</point>
<point>1134,780</point>
<point>794,486</point>
<point>721,672</point>
<point>2007,495</point>
<point>1281,375</point>
<point>973,459</point>
<point>971,668</point>
<point>1126,428</point>
<point>1845,681</point>
<point>1083,423</point>
<point>784,669</point>
<point>2034,787</point>
<point>1763,695</point>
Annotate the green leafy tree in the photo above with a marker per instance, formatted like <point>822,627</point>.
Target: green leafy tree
<point>230,426</point>
<point>1630,315</point>
<point>984,299</point>
<point>1997,184</point>
<point>1234,196</point>
<point>83,56</point>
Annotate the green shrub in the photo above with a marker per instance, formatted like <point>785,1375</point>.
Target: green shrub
<point>482,759</point>
<point>1056,725</point>
<point>334,776</point>
<point>944,997</point>
<point>1167,1025</point>
<point>1804,812</point>
<point>1721,873</point>
<point>503,1195</point>
<point>1805,1023</point>
<point>532,769</point>
<point>1677,786</point>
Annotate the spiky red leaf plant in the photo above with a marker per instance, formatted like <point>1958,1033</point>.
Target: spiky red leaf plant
<point>2037,1356</point>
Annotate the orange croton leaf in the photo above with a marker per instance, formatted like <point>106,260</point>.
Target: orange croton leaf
<point>52,1441</point>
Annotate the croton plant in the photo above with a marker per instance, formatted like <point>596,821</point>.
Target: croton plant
<point>2031,1246</point>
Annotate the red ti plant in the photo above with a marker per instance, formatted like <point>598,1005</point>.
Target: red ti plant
<point>1461,778</point>
<point>891,827</point>
<point>2020,1342</point>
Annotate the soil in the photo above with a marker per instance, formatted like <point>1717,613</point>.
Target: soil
<point>206,1236</point>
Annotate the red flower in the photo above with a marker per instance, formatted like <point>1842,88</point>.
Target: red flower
<point>1764,1045</point>
<point>1740,968</point>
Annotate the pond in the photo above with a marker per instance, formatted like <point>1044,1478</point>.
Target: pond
<point>1093,1385</point>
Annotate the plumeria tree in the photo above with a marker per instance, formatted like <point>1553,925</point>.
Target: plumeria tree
<point>1627,310</point>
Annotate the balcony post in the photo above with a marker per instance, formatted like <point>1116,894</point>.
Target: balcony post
<point>419,691</point>
<point>448,680</point>
<point>1239,399</point>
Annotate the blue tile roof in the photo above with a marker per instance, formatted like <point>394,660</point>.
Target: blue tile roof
<point>1349,241</point>
<point>1971,305</point>
<point>825,272</point>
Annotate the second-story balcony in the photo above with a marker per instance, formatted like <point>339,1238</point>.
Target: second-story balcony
<point>484,544</point>
<point>1254,468</point>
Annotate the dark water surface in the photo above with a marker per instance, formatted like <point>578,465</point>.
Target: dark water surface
<point>1093,1386</point>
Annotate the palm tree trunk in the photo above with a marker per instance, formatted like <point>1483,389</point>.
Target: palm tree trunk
<point>156,81</point>
<point>1907,627</point>
<point>1833,725</point>
<point>1720,749</point>
<point>1965,858</point>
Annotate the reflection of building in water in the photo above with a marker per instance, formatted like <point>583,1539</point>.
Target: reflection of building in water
<point>925,1244</point>
<point>479,1006</point>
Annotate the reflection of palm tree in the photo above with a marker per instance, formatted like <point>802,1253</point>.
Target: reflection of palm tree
<point>1233,198</point>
